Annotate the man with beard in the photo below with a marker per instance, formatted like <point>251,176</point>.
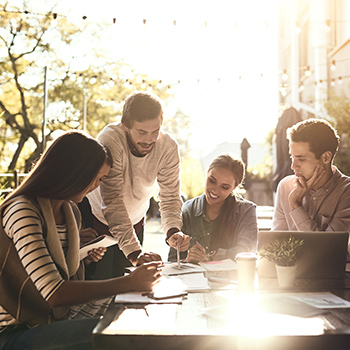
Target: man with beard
<point>143,157</point>
<point>317,196</point>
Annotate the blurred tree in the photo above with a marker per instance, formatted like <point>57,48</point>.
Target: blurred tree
<point>338,108</point>
<point>29,42</point>
<point>26,48</point>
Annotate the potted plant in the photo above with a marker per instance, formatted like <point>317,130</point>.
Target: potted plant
<point>284,253</point>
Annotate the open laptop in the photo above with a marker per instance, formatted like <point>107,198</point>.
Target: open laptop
<point>322,256</point>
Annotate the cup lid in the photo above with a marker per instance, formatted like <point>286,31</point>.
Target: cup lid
<point>246,256</point>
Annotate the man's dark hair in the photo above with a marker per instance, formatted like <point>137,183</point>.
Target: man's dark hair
<point>318,133</point>
<point>141,106</point>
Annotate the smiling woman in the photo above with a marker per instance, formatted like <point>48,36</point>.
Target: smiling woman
<point>221,223</point>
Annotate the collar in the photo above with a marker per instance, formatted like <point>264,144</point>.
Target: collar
<point>199,204</point>
<point>331,183</point>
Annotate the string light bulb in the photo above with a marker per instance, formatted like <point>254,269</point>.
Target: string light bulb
<point>333,67</point>
<point>285,75</point>
<point>283,92</point>
<point>308,71</point>
<point>340,80</point>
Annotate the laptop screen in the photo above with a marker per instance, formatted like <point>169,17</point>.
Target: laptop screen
<point>322,256</point>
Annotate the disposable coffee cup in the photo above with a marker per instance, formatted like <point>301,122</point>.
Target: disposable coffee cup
<point>246,266</point>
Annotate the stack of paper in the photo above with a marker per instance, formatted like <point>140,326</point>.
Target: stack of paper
<point>221,265</point>
<point>171,269</point>
<point>143,298</point>
<point>98,242</point>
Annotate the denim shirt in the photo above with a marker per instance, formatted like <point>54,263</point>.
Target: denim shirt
<point>197,225</point>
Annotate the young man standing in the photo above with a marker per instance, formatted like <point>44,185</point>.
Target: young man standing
<point>317,196</point>
<point>143,156</point>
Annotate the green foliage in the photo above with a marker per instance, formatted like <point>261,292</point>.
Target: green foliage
<point>283,252</point>
<point>338,108</point>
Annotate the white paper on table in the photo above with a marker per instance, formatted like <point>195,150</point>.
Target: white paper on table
<point>322,300</point>
<point>138,298</point>
<point>194,282</point>
<point>171,269</point>
<point>220,265</point>
<point>98,242</point>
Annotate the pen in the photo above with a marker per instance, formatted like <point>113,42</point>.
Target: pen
<point>178,256</point>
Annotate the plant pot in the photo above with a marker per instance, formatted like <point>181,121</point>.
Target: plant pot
<point>286,275</point>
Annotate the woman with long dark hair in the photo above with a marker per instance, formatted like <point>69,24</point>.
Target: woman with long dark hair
<point>44,302</point>
<point>220,222</point>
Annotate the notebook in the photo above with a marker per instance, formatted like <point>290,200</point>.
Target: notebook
<point>322,256</point>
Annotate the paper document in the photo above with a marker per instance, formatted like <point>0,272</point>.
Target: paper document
<point>139,298</point>
<point>171,269</point>
<point>194,282</point>
<point>321,300</point>
<point>168,290</point>
<point>99,241</point>
<point>221,265</point>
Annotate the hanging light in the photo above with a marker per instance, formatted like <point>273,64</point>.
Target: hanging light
<point>332,82</point>
<point>285,75</point>
<point>333,67</point>
<point>308,71</point>
<point>340,80</point>
<point>283,91</point>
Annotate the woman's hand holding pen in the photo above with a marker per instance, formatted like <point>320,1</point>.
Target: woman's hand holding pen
<point>196,254</point>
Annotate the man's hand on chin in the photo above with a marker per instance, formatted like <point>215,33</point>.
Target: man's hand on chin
<point>303,186</point>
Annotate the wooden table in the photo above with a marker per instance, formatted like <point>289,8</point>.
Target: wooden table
<point>241,325</point>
